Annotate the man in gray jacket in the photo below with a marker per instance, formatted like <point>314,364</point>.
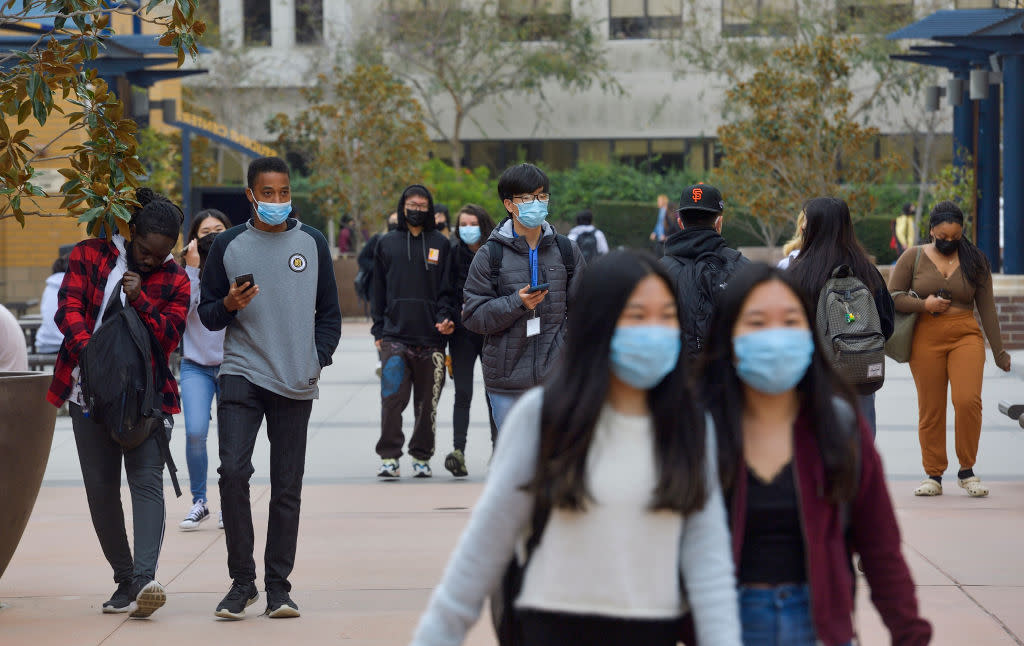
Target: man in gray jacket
<point>519,289</point>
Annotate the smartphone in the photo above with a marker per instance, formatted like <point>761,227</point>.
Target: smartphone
<point>944,293</point>
<point>243,279</point>
<point>538,288</point>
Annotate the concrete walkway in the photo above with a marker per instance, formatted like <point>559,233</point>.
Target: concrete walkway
<point>369,552</point>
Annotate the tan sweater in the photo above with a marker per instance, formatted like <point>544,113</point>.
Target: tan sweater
<point>929,280</point>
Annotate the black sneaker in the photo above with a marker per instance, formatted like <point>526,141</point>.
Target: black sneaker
<point>148,598</point>
<point>238,598</point>
<point>121,601</point>
<point>280,605</point>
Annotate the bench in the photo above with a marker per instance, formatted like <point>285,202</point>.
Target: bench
<point>40,362</point>
<point>1013,411</point>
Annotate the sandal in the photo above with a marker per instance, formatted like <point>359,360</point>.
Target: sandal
<point>929,487</point>
<point>974,487</point>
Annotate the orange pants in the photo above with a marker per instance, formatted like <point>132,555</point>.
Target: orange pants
<point>948,349</point>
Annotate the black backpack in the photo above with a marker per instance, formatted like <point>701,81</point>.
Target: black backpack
<point>496,251</point>
<point>587,242</point>
<point>699,283</point>
<point>120,386</point>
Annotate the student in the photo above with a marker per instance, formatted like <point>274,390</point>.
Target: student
<point>413,311</point>
<point>473,228</point>
<point>441,218</point>
<point>149,280</point>
<point>282,327</point>
<point>619,459</point>
<point>202,353</point>
<point>13,351</point>
<point>587,237</point>
<point>48,337</point>
<point>952,277</point>
<point>791,249</point>
<point>699,260</point>
<point>660,232</point>
<point>520,287</point>
<point>803,481</point>
<point>903,228</point>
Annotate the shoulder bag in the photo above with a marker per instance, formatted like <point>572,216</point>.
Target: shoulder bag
<point>902,340</point>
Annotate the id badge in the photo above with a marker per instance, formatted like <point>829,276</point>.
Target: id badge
<point>532,326</point>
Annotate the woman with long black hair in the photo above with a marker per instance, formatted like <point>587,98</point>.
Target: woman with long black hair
<point>828,242</point>
<point>800,473</point>
<point>948,278</point>
<point>615,453</point>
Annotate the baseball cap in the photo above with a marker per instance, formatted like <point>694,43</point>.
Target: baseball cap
<point>701,197</point>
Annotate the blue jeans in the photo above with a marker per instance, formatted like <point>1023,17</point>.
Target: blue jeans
<point>777,616</point>
<point>500,406</point>
<point>867,409</point>
<point>198,388</point>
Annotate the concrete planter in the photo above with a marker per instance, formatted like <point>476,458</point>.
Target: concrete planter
<point>26,433</point>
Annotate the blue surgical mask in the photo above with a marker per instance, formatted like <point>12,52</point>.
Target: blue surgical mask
<point>643,355</point>
<point>469,234</point>
<point>533,214</point>
<point>273,213</point>
<point>773,361</point>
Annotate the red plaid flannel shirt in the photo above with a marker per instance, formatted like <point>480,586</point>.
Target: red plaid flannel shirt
<point>162,305</point>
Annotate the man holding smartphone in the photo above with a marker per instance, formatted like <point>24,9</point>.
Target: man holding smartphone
<point>519,289</point>
<point>270,284</point>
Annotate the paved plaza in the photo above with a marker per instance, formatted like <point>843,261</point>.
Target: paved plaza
<point>369,551</point>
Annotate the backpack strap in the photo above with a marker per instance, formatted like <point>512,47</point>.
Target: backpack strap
<point>565,248</point>
<point>495,251</point>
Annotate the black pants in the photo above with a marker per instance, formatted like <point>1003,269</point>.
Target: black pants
<point>409,369</point>
<point>240,412</point>
<point>559,629</point>
<point>465,348</point>
<point>100,458</point>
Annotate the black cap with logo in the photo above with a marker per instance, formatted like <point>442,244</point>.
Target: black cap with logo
<point>701,197</point>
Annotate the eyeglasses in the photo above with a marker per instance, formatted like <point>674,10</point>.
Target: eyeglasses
<point>530,197</point>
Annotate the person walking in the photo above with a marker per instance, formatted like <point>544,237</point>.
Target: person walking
<point>661,223</point>
<point>520,287</point>
<point>202,353</point>
<point>142,269</point>
<point>413,312</point>
<point>904,228</point>
<point>611,473</point>
<point>473,227</point>
<point>48,337</point>
<point>269,283</point>
<point>588,237</point>
<point>791,249</point>
<point>804,484</point>
<point>699,260</point>
<point>949,277</point>
<point>830,241</point>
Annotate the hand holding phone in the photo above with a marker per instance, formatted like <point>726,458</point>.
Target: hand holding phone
<point>538,288</point>
<point>237,297</point>
<point>244,279</point>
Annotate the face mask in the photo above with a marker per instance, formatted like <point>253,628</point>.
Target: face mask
<point>469,235</point>
<point>773,361</point>
<point>532,215</point>
<point>392,226</point>
<point>643,355</point>
<point>416,218</point>
<point>947,247</point>
<point>273,213</point>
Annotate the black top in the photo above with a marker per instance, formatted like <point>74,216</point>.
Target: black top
<point>773,542</point>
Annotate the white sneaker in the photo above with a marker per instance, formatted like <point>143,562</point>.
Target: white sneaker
<point>196,515</point>
<point>388,469</point>
<point>421,469</point>
<point>220,520</point>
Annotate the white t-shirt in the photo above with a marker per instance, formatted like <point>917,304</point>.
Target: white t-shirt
<point>13,352</point>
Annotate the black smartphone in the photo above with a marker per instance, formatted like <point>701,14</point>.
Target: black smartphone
<point>538,288</point>
<point>944,293</point>
<point>243,279</point>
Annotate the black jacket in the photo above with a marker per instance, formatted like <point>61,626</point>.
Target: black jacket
<point>462,258</point>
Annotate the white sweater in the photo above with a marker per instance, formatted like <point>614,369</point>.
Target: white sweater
<point>200,345</point>
<point>616,559</point>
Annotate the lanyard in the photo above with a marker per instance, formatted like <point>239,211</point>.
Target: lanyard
<point>534,263</point>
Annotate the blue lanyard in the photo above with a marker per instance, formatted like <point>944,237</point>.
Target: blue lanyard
<point>534,264</point>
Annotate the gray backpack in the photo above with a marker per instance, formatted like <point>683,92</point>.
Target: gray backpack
<point>850,331</point>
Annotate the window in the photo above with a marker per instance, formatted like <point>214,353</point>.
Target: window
<point>309,22</point>
<point>758,17</point>
<point>419,20</point>
<point>644,19</point>
<point>598,150</point>
<point>667,154</point>
<point>631,151</point>
<point>534,19</point>
<point>873,16</point>
<point>986,4</point>
<point>256,17</point>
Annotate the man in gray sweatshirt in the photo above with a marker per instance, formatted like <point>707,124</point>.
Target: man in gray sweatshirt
<point>270,283</point>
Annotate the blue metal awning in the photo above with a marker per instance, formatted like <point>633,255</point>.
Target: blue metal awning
<point>955,22</point>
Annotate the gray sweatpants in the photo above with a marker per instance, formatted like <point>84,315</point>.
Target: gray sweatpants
<point>100,458</point>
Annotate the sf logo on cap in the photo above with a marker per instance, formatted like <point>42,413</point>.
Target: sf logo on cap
<point>697,194</point>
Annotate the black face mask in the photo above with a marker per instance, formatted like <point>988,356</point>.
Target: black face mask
<point>947,247</point>
<point>442,226</point>
<point>416,218</point>
<point>392,226</point>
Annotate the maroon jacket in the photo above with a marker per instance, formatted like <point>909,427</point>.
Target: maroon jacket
<point>874,535</point>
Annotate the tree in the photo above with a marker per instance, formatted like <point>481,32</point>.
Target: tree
<point>457,55</point>
<point>793,138</point>
<point>364,138</point>
<point>102,168</point>
<point>160,154</point>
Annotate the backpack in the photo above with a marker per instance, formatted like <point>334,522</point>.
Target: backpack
<point>587,242</point>
<point>496,251</point>
<point>850,331</point>
<point>699,283</point>
<point>120,387</point>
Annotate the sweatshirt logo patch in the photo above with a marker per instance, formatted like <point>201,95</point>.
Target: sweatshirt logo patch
<point>297,262</point>
<point>433,255</point>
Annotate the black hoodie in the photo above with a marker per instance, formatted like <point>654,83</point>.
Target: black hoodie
<point>412,288</point>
